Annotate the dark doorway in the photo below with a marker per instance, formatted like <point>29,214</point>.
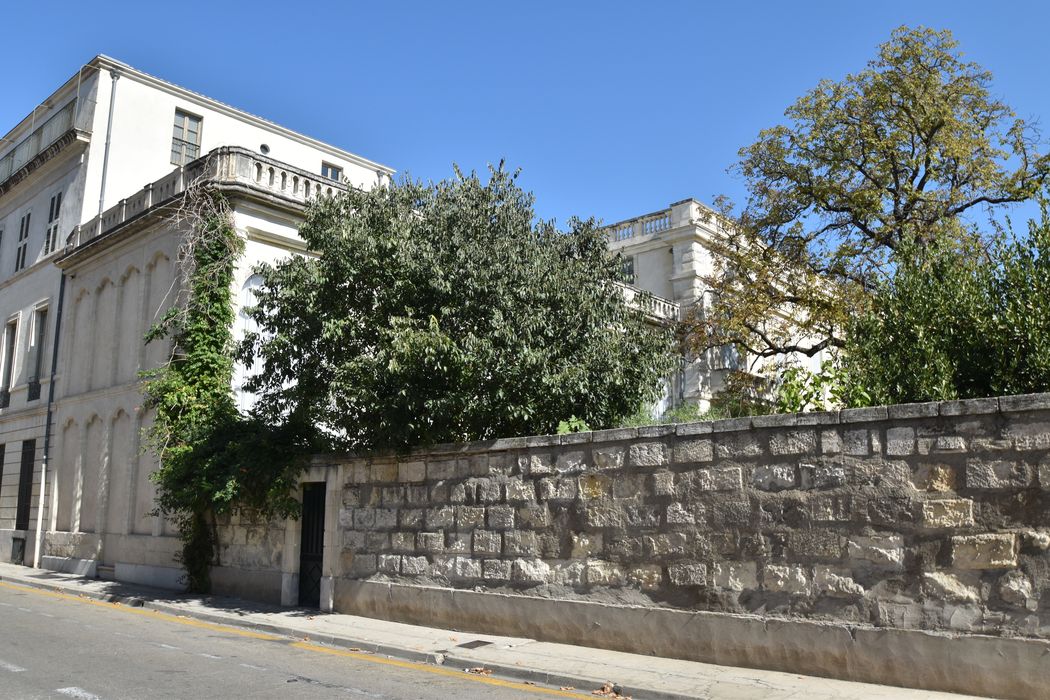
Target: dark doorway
<point>311,545</point>
<point>25,485</point>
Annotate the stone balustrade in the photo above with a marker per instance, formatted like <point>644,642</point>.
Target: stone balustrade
<point>227,166</point>
<point>657,308</point>
<point>648,225</point>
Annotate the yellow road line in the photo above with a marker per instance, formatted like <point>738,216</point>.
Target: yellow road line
<point>438,670</point>
<point>146,613</point>
<point>306,646</point>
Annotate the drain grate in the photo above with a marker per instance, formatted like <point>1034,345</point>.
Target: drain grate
<point>474,644</point>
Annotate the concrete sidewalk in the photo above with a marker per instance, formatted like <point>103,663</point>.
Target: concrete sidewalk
<point>557,665</point>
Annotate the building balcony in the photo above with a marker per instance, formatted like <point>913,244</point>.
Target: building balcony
<point>657,309</point>
<point>61,129</point>
<point>228,167</point>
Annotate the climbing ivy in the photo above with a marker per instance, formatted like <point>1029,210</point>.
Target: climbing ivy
<point>211,457</point>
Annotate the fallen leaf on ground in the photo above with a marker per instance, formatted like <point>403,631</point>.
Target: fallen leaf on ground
<point>480,670</point>
<point>610,690</point>
<point>567,687</point>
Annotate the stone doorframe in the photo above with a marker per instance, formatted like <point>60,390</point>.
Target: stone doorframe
<point>332,476</point>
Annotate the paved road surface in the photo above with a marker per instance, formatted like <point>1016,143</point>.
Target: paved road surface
<point>60,646</point>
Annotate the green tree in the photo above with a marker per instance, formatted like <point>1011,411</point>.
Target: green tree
<point>446,312</point>
<point>900,152</point>
<point>958,322</point>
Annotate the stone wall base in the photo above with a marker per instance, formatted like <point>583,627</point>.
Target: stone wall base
<point>973,664</point>
<point>70,565</point>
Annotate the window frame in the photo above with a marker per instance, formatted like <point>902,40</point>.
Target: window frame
<point>179,140</point>
<point>35,352</point>
<point>329,169</point>
<point>54,214</point>
<point>22,245</point>
<point>8,348</point>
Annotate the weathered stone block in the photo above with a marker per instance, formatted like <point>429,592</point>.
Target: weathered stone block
<point>997,475</point>
<point>571,462</point>
<point>693,451</point>
<point>943,586</point>
<point>900,441</point>
<point>389,563</point>
<point>469,517</point>
<point>649,454</point>
<point>593,487</point>
<point>385,518</point>
<point>377,541</point>
<point>663,484</point>
<point>520,543</point>
<point>346,521</point>
<point>785,579</point>
<point>604,515</point>
<point>793,442</point>
<point>362,565</point>
<point>720,479</point>
<point>500,517</point>
<point>457,494</point>
<point>829,509</point>
<point>496,570</point>
<point>411,471</point>
<point>642,516</point>
<point>947,512</point>
<point>738,446</point>
<point>567,573</point>
<point>488,491</point>
<point>539,463</point>
<point>949,443</point>
<point>830,442</point>
<point>384,472</point>
<point>586,544</point>
<point>392,496</point>
<point>934,477</point>
<point>835,582</point>
<point>415,566</point>
<point>610,457</point>
<point>666,545</point>
<point>521,491</point>
<point>417,495</point>
<point>534,516</point>
<point>735,575</point>
<point>437,518</point>
<point>1015,588</point>
<point>882,550</point>
<point>774,477</point>
<point>629,487</point>
<point>353,540</point>
<point>987,551</point>
<point>647,578</point>
<point>403,541</point>
<point>822,476</point>
<point>557,489</point>
<point>603,573</point>
<point>816,544</point>
<point>457,542</point>
<point>487,542</point>
<point>1044,475</point>
<point>687,574</point>
<point>430,541</point>
<point>857,442</point>
<point>467,568</point>
<point>530,571</point>
<point>364,518</point>
<point>677,514</point>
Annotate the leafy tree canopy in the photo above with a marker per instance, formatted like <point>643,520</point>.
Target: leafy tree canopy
<point>445,312</point>
<point>901,151</point>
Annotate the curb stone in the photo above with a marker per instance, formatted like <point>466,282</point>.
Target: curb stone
<point>440,658</point>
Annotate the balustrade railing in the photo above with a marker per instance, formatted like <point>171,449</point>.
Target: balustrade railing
<point>648,225</point>
<point>657,307</point>
<point>43,136</point>
<point>223,166</point>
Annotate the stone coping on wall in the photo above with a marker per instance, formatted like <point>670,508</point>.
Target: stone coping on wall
<point>930,409</point>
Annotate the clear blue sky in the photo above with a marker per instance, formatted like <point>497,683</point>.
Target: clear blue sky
<point>611,109</point>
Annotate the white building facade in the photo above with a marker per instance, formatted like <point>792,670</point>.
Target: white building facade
<point>671,254</point>
<point>72,178</point>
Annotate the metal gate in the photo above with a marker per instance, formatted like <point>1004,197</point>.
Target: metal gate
<point>311,545</point>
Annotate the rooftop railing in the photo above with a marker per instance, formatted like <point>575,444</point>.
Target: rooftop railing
<point>659,308</point>
<point>38,140</point>
<point>229,166</point>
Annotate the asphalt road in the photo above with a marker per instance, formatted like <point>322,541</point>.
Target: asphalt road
<point>54,645</point>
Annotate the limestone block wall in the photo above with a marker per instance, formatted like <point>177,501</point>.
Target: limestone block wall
<point>924,516</point>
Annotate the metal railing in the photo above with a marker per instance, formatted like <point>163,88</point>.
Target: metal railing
<point>38,141</point>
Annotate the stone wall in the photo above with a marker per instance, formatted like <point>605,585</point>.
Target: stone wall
<point>927,516</point>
